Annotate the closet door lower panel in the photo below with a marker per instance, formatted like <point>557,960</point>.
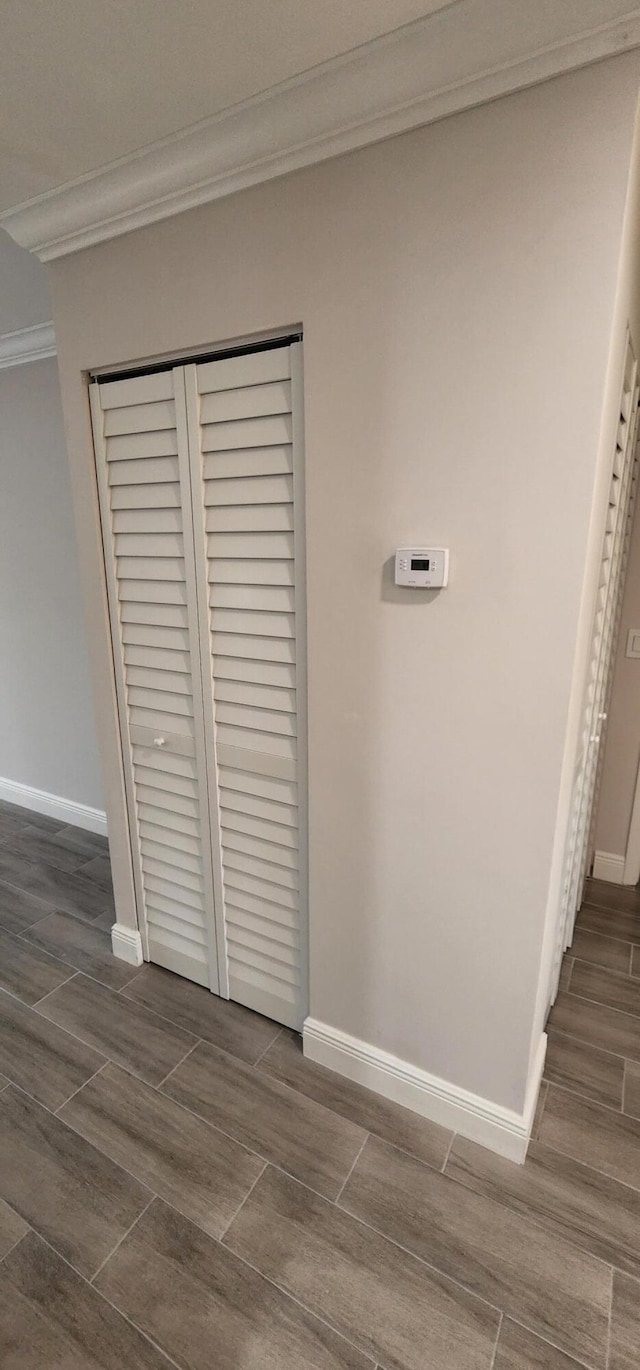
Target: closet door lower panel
<point>244,423</point>
<point>145,498</point>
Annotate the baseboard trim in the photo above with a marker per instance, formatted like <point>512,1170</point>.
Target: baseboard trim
<point>500,1129</point>
<point>608,866</point>
<point>126,944</point>
<point>54,806</point>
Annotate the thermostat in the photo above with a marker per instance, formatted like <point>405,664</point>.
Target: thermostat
<point>422,568</point>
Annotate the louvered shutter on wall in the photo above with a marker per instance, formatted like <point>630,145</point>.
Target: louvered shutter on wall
<point>143,474</point>
<point>622,491</point>
<point>201,494</point>
<point>243,465</point>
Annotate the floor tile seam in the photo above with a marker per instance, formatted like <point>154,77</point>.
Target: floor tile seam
<point>49,991</point>
<point>271,1044</point>
<point>607,1108</point>
<point>24,937</point>
<point>545,1224</point>
<point>445,1163</point>
<point>372,1131</point>
<point>576,1094</point>
<point>497,1340</point>
<point>79,970</point>
<point>635,1189</point>
<point>130,999</point>
<point>580,1365</point>
<point>601,1003</point>
<point>564,1032</point>
<point>242,1203</point>
<point>352,1168</point>
<point>100,1294</point>
<point>311,1312</point>
<point>197,1116</point>
<point>219,1241</point>
<point>536,1223</point>
<point>607,1355</point>
<point>18,1239</point>
<point>610,936</point>
<point>624,975</point>
<point>123,1237</point>
<point>261,1075</point>
<point>110,990</point>
<point>56,907</point>
<point>179,1063</point>
<point>64,1103</point>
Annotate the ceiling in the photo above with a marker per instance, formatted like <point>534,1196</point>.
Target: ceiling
<point>84,82</point>
<point>114,113</point>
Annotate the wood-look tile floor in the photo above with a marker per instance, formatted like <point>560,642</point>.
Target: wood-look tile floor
<point>179,1187</point>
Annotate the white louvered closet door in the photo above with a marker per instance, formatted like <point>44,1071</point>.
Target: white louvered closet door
<point>622,493</point>
<point>244,416</point>
<point>143,477</point>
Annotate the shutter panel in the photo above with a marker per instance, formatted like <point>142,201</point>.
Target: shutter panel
<point>606,622</point>
<point>145,499</point>
<point>244,433</point>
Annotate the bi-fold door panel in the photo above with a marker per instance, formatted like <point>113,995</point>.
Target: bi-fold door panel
<point>143,475</point>
<point>244,427</point>
<point>200,476</point>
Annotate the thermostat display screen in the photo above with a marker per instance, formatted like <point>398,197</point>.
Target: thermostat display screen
<point>420,564</point>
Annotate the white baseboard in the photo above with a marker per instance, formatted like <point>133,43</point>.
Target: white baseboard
<point>67,810</point>
<point>126,944</point>
<point>500,1129</point>
<point>608,866</point>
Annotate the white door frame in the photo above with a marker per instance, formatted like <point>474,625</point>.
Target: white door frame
<point>631,873</point>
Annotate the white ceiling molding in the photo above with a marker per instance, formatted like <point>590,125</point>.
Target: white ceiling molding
<point>27,345</point>
<point>461,56</point>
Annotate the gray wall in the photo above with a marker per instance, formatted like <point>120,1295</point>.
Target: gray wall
<point>457,287</point>
<point>47,727</point>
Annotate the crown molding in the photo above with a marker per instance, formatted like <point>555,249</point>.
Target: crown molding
<point>27,345</point>
<point>463,55</point>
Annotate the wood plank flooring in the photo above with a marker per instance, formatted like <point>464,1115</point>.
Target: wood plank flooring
<point>180,1188</point>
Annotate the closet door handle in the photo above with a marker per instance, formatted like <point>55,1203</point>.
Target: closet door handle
<point>159,741</point>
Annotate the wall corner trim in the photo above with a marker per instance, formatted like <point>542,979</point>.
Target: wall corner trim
<point>54,806</point>
<point>608,866</point>
<point>480,1120</point>
<point>126,944</point>
<point>27,345</point>
<point>452,59</point>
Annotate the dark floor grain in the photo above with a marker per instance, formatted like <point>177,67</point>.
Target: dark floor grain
<point>558,1292</point>
<point>584,1069</point>
<point>229,1026</point>
<point>28,972</point>
<point>71,1193</point>
<point>51,1319</point>
<point>284,1060</point>
<point>583,1206</point>
<point>81,945</point>
<point>401,1313</point>
<point>624,1349</point>
<point>140,1041</point>
<point>599,1137</point>
<point>287,1128</point>
<point>40,1057</point>
<point>195,1168</point>
<point>209,1309</point>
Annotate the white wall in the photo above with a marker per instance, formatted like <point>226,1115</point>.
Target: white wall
<point>456,287</point>
<point>24,292</point>
<point>47,728</point>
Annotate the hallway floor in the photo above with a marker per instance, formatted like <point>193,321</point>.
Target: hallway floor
<point>178,1187</point>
